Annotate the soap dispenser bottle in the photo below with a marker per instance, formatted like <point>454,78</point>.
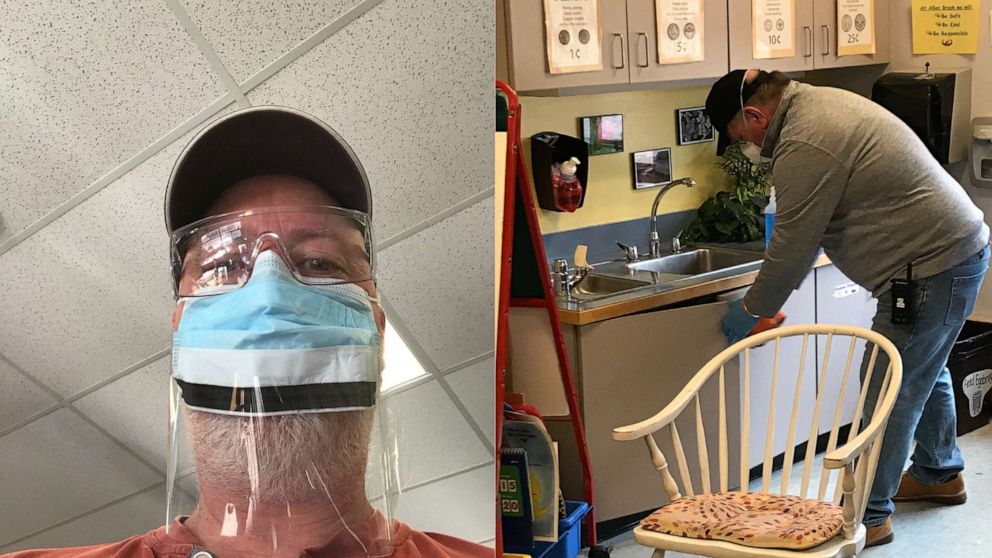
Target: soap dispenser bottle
<point>567,190</point>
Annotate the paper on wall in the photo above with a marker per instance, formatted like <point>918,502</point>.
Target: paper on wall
<point>574,36</point>
<point>945,27</point>
<point>855,27</point>
<point>773,33</point>
<point>680,30</point>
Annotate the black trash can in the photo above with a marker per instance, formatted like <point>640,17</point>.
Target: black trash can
<point>970,364</point>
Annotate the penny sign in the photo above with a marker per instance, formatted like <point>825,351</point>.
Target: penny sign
<point>574,36</point>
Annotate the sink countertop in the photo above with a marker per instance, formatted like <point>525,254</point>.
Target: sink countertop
<point>657,296</point>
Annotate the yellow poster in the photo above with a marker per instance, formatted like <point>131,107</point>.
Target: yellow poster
<point>773,33</point>
<point>680,30</point>
<point>855,27</point>
<point>950,26</point>
<point>574,36</point>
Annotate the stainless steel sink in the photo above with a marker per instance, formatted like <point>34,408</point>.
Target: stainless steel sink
<point>597,286</point>
<point>695,262</point>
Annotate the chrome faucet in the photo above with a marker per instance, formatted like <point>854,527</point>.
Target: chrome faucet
<point>655,244</point>
<point>562,281</point>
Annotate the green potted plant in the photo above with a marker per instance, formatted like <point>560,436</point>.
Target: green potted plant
<point>734,215</point>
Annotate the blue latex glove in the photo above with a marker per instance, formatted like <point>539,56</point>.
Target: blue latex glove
<point>736,322</point>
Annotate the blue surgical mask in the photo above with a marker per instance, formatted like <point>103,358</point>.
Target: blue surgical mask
<point>277,346</point>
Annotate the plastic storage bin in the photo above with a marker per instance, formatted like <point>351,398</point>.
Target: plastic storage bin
<point>569,535</point>
<point>970,364</point>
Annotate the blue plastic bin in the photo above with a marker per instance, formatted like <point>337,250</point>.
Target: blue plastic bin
<point>569,535</point>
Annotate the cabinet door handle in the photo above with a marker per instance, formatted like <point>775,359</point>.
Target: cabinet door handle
<point>623,56</point>
<point>826,40</point>
<point>647,55</point>
<point>808,47</point>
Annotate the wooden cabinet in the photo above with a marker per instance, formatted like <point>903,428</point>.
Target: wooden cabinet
<point>642,34</point>
<point>524,42</point>
<point>630,51</point>
<point>840,301</point>
<point>630,48</point>
<point>816,38</point>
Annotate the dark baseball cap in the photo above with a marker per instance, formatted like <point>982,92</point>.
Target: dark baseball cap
<point>726,98</point>
<point>262,140</point>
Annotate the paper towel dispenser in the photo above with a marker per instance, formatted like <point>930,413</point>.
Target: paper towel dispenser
<point>937,106</point>
<point>981,152</point>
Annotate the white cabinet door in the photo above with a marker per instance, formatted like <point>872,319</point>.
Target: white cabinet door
<point>840,301</point>
<point>741,44</point>
<point>799,309</point>
<point>642,33</point>
<point>825,37</point>
<point>527,60</point>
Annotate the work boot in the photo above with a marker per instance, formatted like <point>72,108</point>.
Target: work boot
<point>880,534</point>
<point>949,493</point>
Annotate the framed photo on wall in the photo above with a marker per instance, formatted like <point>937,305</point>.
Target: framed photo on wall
<point>694,126</point>
<point>652,168</point>
<point>603,133</point>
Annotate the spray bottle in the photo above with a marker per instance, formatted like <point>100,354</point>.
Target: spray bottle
<point>769,217</point>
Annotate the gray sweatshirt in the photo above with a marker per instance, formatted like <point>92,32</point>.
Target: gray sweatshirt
<point>851,177</point>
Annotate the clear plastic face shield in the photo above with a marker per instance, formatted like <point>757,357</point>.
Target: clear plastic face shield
<point>278,438</point>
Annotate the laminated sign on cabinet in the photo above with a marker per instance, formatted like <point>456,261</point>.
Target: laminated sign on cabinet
<point>680,31</point>
<point>574,36</point>
<point>855,27</point>
<point>774,32</point>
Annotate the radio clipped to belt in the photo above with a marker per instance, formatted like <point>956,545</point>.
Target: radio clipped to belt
<point>902,298</point>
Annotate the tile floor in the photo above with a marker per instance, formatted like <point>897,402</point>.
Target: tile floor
<point>921,529</point>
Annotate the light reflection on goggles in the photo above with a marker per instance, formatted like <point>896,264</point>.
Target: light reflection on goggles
<point>320,244</point>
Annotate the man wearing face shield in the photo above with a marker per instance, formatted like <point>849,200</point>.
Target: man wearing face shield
<point>276,355</point>
<point>853,179</point>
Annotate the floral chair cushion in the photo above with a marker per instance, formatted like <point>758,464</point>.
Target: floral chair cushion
<point>752,519</point>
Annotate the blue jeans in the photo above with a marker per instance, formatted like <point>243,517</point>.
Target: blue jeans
<point>924,408</point>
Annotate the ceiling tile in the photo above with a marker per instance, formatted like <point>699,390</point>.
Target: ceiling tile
<point>83,87</point>
<point>19,397</point>
<point>136,515</point>
<point>434,439</point>
<point>463,506</point>
<point>440,282</point>
<point>474,386</point>
<point>135,410</point>
<point>62,467</point>
<point>415,106</point>
<point>248,35</point>
<point>90,294</point>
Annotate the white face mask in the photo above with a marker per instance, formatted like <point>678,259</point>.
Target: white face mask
<point>753,152</point>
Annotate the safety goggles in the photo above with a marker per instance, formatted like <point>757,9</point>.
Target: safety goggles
<point>321,245</point>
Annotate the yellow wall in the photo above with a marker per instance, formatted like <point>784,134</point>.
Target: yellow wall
<point>648,123</point>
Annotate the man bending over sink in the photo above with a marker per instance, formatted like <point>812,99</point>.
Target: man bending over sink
<point>865,188</point>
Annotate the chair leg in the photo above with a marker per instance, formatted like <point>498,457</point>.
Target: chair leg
<point>658,553</point>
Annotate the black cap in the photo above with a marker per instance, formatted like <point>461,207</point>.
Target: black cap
<point>725,100</point>
<point>256,141</point>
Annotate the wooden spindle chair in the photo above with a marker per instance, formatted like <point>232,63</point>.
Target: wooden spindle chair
<point>856,460</point>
